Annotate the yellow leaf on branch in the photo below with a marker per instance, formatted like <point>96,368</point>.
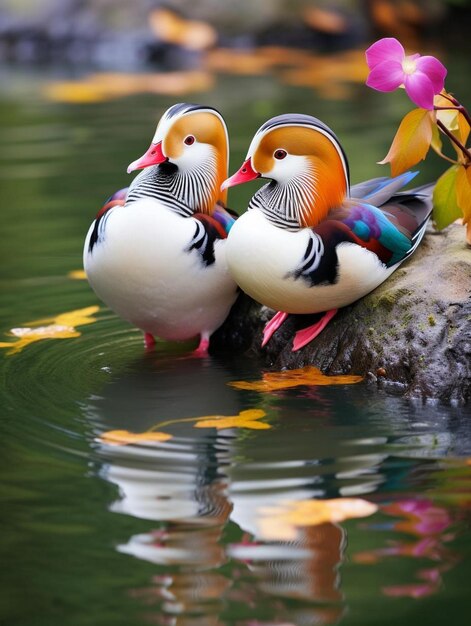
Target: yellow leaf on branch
<point>411,142</point>
<point>463,191</point>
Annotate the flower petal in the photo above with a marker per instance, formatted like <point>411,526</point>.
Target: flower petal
<point>435,71</point>
<point>419,88</point>
<point>386,76</point>
<point>386,49</point>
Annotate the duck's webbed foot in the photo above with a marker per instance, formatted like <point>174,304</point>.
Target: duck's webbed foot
<point>272,326</point>
<point>306,335</point>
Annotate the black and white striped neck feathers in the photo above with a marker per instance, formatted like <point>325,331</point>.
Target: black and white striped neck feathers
<point>280,203</point>
<point>182,192</point>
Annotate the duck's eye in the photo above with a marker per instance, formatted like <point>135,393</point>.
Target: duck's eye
<point>189,140</point>
<point>280,154</point>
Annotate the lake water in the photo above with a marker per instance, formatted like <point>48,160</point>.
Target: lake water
<point>211,526</point>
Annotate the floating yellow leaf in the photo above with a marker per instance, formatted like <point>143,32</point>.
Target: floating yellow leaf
<point>445,205</point>
<point>282,522</point>
<point>60,327</point>
<point>77,275</point>
<point>125,437</point>
<point>411,142</point>
<point>106,86</point>
<point>309,375</point>
<point>79,317</point>
<point>245,419</point>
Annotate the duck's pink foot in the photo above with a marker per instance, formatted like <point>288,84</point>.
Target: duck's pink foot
<point>272,326</point>
<point>149,341</point>
<point>306,335</point>
<point>202,349</point>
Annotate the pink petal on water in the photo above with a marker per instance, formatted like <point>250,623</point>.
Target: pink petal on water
<point>386,49</point>
<point>420,89</point>
<point>386,76</point>
<point>435,70</point>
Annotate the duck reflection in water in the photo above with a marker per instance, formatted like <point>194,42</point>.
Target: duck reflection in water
<point>176,484</point>
<point>202,482</point>
<point>206,494</point>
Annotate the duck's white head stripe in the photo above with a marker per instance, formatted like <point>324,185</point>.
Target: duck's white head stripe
<point>183,108</point>
<point>306,121</point>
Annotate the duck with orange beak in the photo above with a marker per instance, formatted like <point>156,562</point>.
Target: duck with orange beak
<point>155,253</point>
<point>309,243</point>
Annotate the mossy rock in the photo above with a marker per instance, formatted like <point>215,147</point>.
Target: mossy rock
<point>411,336</point>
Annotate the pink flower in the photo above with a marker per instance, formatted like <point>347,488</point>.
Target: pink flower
<point>390,68</point>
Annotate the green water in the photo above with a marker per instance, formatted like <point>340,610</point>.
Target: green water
<point>176,533</point>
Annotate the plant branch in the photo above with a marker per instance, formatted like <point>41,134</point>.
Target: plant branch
<point>453,139</point>
<point>457,106</point>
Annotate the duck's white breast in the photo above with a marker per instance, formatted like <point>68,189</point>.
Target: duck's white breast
<point>262,258</point>
<point>142,269</point>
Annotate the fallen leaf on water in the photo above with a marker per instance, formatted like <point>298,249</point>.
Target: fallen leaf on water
<point>283,522</point>
<point>77,275</point>
<point>309,375</point>
<point>125,437</point>
<point>106,86</point>
<point>60,327</point>
<point>79,317</point>
<point>245,419</point>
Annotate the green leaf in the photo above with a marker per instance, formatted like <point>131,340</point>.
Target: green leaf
<point>445,205</point>
<point>411,142</point>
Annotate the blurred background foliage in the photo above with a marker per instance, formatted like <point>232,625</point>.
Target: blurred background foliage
<point>124,33</point>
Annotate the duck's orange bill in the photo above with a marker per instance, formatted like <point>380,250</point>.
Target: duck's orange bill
<point>153,156</point>
<point>245,174</point>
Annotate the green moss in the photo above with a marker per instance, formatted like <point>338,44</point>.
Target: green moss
<point>388,299</point>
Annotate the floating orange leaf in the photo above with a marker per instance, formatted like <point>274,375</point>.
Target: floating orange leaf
<point>445,205</point>
<point>411,142</point>
<point>100,87</point>
<point>77,275</point>
<point>125,437</point>
<point>309,375</point>
<point>283,522</point>
<point>245,419</point>
<point>60,327</point>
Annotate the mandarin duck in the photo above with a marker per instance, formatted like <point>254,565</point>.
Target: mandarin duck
<point>155,253</point>
<point>309,243</point>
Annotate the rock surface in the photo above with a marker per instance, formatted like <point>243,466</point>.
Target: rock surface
<point>411,336</point>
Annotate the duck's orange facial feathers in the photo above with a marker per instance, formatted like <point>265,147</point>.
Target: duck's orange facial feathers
<point>207,128</point>
<point>322,168</point>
